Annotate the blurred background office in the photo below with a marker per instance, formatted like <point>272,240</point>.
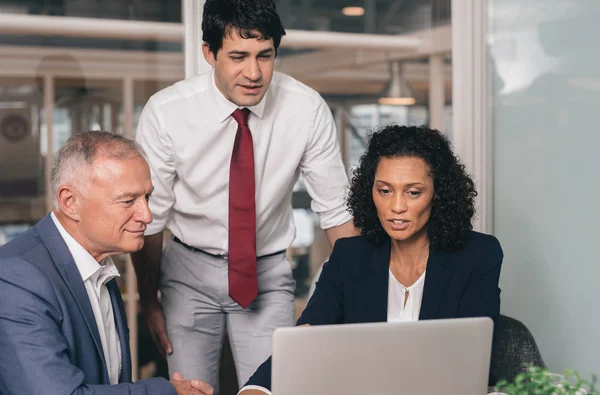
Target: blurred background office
<point>514,84</point>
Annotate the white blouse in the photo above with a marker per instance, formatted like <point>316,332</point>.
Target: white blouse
<point>404,303</point>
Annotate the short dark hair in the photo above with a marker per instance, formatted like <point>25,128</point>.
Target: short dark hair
<point>250,19</point>
<point>454,200</point>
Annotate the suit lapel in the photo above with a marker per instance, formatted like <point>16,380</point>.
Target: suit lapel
<point>376,285</point>
<point>436,283</point>
<point>68,270</point>
<point>122,330</point>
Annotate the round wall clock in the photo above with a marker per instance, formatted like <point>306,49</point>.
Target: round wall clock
<point>14,128</point>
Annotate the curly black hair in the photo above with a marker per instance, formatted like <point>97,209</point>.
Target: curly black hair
<point>454,202</point>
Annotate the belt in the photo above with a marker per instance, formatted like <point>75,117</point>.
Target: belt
<point>194,249</point>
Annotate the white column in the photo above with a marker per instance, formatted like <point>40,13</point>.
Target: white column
<point>49,118</point>
<point>130,299</point>
<point>437,92</point>
<point>192,41</point>
<point>470,101</point>
<point>128,104</point>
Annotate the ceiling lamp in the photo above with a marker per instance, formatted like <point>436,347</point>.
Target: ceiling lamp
<point>353,11</point>
<point>397,93</point>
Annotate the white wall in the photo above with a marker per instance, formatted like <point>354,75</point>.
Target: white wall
<point>546,100</point>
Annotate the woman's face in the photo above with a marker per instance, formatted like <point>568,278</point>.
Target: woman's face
<point>403,194</point>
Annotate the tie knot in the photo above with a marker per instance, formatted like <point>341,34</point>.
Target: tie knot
<point>241,116</point>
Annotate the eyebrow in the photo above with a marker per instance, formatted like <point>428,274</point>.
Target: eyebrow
<point>246,53</point>
<point>412,184</point>
<point>126,195</point>
<point>266,51</point>
<point>129,195</point>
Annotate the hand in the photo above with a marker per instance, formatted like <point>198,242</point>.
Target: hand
<point>190,387</point>
<point>155,319</point>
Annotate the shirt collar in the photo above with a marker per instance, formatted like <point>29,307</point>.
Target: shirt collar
<point>225,108</point>
<point>85,263</point>
<point>107,272</point>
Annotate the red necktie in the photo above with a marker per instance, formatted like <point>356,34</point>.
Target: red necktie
<point>243,281</point>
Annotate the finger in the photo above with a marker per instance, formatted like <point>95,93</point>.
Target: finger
<point>159,345</point>
<point>154,328</point>
<point>178,377</point>
<point>161,331</point>
<point>202,387</point>
<point>166,343</point>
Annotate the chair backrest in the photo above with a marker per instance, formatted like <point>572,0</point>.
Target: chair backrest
<point>514,348</point>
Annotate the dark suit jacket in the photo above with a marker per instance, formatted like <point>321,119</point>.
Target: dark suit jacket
<point>353,287</point>
<point>49,339</point>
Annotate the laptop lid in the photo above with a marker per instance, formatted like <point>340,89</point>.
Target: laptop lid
<point>450,356</point>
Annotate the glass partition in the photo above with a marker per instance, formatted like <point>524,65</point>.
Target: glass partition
<point>545,92</point>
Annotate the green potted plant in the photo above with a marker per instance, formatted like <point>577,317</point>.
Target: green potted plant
<point>541,381</point>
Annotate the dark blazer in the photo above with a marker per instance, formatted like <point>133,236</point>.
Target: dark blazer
<point>353,287</point>
<point>48,334</point>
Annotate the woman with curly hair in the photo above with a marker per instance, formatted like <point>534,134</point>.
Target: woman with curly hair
<point>417,257</point>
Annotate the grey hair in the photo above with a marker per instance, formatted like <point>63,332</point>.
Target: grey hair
<point>82,149</point>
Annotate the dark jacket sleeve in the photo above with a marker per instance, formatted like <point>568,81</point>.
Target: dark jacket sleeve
<point>481,297</point>
<point>34,357</point>
<point>324,307</point>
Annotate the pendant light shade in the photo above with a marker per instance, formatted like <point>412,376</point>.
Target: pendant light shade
<point>397,93</point>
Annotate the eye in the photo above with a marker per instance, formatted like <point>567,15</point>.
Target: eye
<point>414,193</point>
<point>237,58</point>
<point>148,197</point>
<point>128,203</point>
<point>384,191</point>
<point>265,57</point>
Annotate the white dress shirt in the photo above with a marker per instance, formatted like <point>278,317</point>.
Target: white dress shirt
<point>95,276</point>
<point>188,133</point>
<point>403,305</point>
<point>398,311</point>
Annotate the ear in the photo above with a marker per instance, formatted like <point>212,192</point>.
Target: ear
<point>208,55</point>
<point>68,201</point>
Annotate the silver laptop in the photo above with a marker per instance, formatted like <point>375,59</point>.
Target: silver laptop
<point>450,357</point>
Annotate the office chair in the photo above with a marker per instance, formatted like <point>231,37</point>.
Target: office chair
<point>514,349</point>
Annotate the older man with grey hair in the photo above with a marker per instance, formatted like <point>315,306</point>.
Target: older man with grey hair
<point>62,319</point>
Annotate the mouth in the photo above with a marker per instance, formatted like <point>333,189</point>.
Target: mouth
<point>251,89</point>
<point>137,232</point>
<point>398,224</point>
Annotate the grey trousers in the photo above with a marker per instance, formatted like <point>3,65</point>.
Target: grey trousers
<point>197,307</point>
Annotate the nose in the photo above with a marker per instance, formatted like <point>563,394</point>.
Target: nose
<point>144,214</point>
<point>398,204</point>
<point>253,72</point>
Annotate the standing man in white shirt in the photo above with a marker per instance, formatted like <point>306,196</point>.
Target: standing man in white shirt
<point>225,149</point>
<point>62,319</point>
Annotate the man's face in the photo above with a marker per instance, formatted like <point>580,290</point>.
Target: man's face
<point>113,206</point>
<point>243,68</point>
